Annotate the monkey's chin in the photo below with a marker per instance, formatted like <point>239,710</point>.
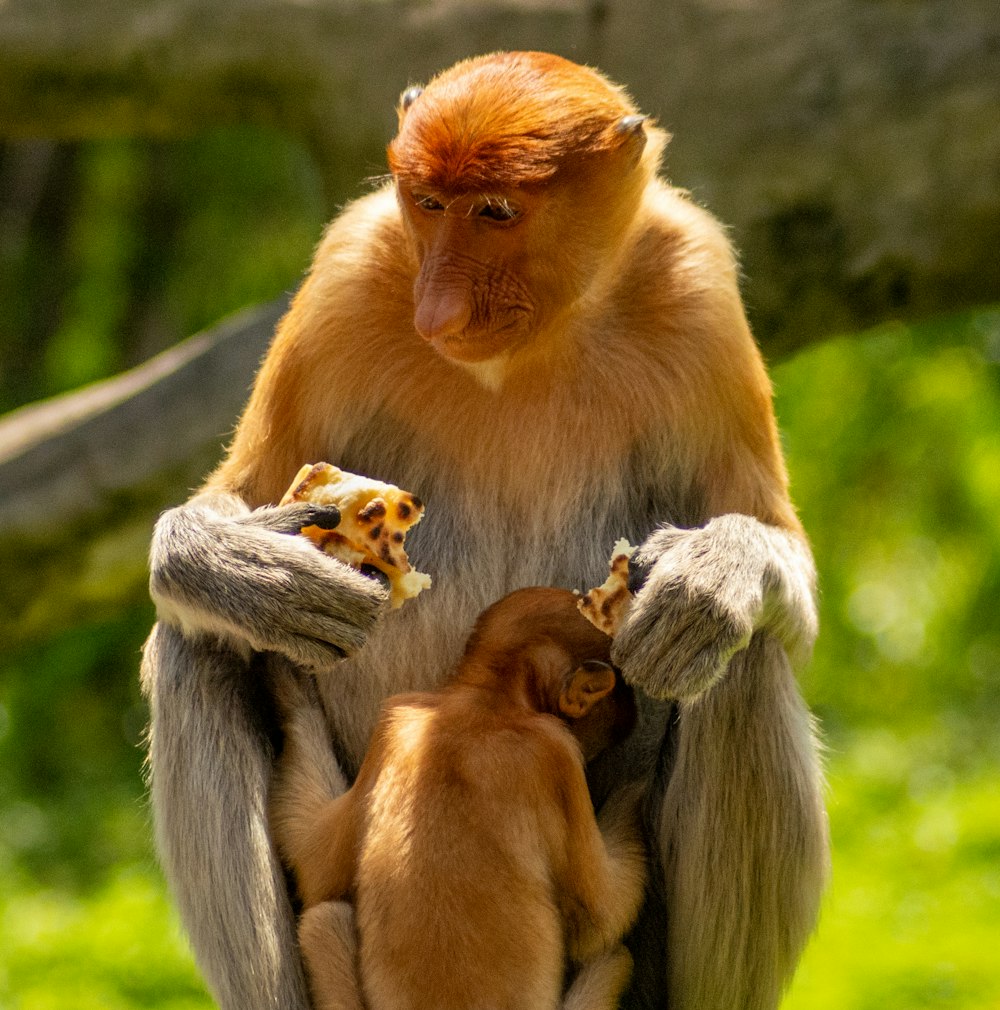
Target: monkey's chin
<point>490,374</point>
<point>485,360</point>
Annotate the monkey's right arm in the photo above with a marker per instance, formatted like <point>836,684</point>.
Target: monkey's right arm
<point>602,875</point>
<point>223,571</point>
<point>231,583</point>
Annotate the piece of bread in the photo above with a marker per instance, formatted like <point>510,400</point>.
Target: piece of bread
<point>374,521</point>
<point>607,606</point>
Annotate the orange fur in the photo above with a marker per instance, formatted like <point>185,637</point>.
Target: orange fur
<point>663,364</point>
<point>645,350</point>
<point>468,842</point>
<point>518,141</point>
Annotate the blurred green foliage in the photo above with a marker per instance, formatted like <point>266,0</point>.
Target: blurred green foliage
<point>112,251</point>
<point>895,460</point>
<point>893,442</point>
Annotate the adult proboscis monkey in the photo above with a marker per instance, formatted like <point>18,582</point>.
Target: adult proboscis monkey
<point>545,341</point>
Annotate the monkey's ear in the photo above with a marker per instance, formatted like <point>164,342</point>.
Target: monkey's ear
<point>409,96</point>
<point>584,687</point>
<point>629,134</point>
<point>632,125</point>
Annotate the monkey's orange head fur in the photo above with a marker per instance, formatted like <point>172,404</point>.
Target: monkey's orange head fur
<point>535,644</point>
<point>507,119</point>
<point>526,616</point>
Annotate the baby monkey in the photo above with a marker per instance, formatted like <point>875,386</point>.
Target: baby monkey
<point>468,844</point>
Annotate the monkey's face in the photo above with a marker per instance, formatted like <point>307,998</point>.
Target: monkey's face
<point>473,296</point>
<point>516,174</point>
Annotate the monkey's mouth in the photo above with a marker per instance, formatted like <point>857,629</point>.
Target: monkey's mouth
<point>475,346</point>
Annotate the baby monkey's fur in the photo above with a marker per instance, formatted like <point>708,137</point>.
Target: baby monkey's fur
<point>468,844</point>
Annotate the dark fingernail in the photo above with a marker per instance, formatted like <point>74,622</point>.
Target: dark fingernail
<point>375,573</point>
<point>326,517</point>
<point>637,575</point>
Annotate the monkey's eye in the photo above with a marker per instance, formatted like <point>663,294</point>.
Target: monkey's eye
<point>427,202</point>
<point>498,211</point>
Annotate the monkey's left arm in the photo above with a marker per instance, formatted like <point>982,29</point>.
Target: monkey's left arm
<point>726,608</point>
<point>704,592</point>
<point>314,817</point>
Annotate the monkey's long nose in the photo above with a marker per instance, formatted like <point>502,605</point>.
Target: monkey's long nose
<point>442,313</point>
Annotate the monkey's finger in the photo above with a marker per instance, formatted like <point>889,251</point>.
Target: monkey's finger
<point>326,517</point>
<point>292,518</point>
<point>311,653</point>
<point>291,687</point>
<point>341,611</point>
<point>638,573</point>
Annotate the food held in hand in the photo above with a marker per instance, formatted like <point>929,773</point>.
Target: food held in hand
<point>374,521</point>
<point>607,606</point>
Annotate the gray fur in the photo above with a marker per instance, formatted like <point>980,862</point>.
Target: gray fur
<point>236,575</point>
<point>751,729</point>
<point>229,584</point>
<point>212,759</point>
<point>708,590</point>
<point>721,609</point>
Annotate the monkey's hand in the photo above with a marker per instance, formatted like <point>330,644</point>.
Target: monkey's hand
<point>218,569</point>
<point>702,593</point>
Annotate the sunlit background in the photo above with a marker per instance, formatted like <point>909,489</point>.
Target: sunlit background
<point>111,251</point>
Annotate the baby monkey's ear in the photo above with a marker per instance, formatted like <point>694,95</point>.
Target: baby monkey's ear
<point>584,687</point>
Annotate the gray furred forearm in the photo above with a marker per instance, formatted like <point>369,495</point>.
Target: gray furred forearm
<point>708,590</point>
<point>219,570</point>
<point>790,592</point>
<point>211,824</point>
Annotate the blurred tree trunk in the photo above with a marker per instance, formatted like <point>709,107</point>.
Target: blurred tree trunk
<point>84,475</point>
<point>853,146</point>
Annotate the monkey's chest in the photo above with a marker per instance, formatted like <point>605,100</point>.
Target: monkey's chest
<point>475,554</point>
<point>480,538</point>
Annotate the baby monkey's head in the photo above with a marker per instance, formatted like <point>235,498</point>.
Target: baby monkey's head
<point>537,643</point>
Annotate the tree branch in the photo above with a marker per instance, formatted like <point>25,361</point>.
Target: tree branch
<point>86,474</point>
